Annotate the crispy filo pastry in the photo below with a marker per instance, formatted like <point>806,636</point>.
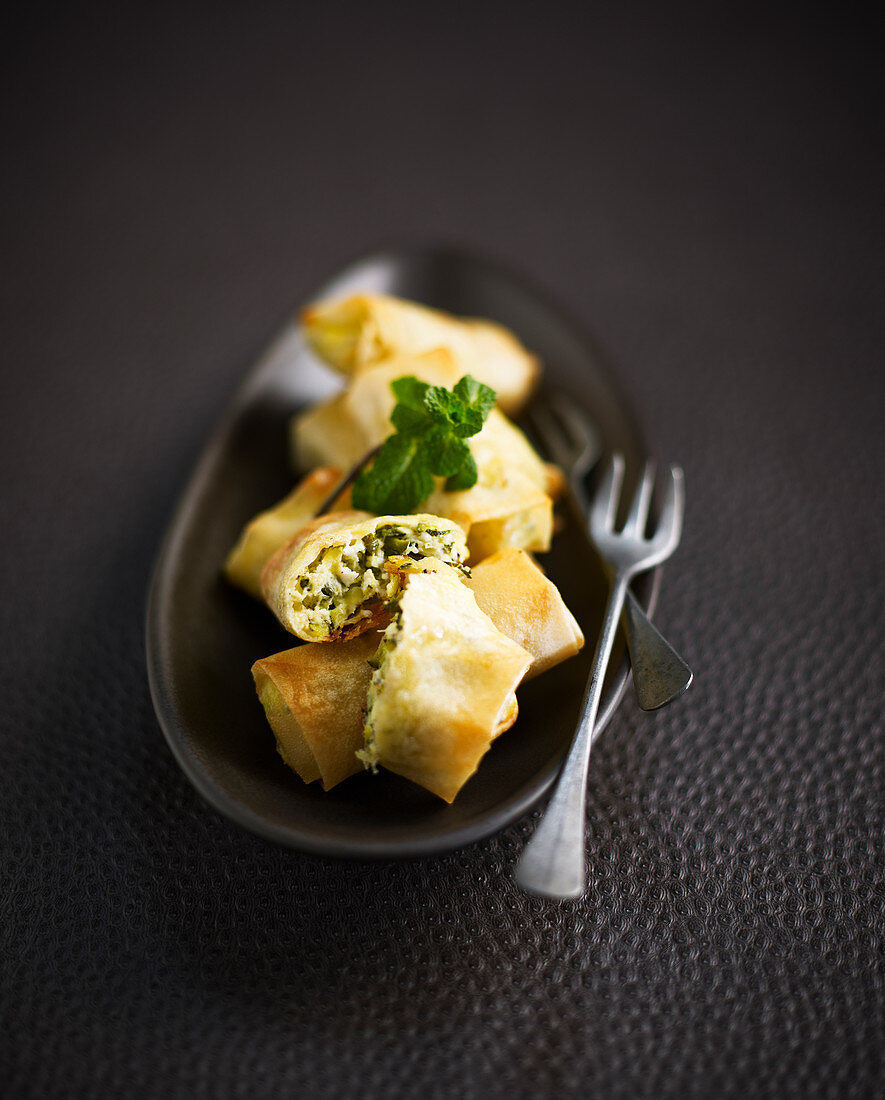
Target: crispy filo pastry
<point>527,607</point>
<point>314,697</point>
<point>269,530</point>
<point>355,333</point>
<point>329,581</point>
<point>444,686</point>
<point>340,431</point>
<point>511,503</point>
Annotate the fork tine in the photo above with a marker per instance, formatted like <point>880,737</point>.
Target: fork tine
<point>638,516</point>
<point>669,530</point>
<point>605,500</point>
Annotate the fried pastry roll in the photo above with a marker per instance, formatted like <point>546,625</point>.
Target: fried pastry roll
<point>329,581</point>
<point>443,687</point>
<point>314,697</point>
<point>355,333</point>
<point>340,431</point>
<point>267,532</point>
<point>511,503</point>
<point>527,607</point>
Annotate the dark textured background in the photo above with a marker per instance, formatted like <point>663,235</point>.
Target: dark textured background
<point>705,190</point>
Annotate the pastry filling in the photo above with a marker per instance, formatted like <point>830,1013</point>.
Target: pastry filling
<point>379,662</point>
<point>345,579</point>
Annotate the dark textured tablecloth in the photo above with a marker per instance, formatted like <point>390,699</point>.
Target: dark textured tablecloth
<point>704,188</point>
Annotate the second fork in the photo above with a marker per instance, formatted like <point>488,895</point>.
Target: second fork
<point>552,863</point>
<point>659,674</point>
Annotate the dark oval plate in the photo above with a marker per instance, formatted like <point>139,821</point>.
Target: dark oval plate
<point>203,636</point>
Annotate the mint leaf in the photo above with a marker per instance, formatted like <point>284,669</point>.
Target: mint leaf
<point>465,478</point>
<point>408,390</point>
<point>464,408</point>
<point>410,421</point>
<point>445,453</point>
<point>431,425</point>
<point>397,481</point>
<point>477,396</point>
<point>442,404</point>
<point>469,423</point>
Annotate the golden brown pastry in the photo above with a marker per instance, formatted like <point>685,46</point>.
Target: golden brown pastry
<point>527,607</point>
<point>444,686</point>
<point>314,697</point>
<point>269,530</point>
<point>340,431</point>
<point>355,333</point>
<point>329,581</point>
<point>511,503</point>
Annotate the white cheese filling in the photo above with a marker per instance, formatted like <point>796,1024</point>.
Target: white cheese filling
<point>344,580</point>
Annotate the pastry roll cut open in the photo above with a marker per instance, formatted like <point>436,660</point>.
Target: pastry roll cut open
<point>443,687</point>
<point>269,530</point>
<point>355,333</point>
<point>527,607</point>
<point>314,697</point>
<point>331,581</point>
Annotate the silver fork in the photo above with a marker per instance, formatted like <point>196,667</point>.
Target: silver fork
<point>659,674</point>
<point>553,860</point>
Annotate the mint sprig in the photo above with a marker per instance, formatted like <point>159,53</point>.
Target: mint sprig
<point>432,425</point>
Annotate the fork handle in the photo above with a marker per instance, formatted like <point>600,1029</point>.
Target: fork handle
<point>553,863</point>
